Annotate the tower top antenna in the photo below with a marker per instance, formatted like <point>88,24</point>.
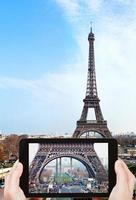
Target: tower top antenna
<point>91,23</point>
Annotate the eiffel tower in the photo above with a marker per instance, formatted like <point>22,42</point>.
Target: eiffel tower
<point>91,101</point>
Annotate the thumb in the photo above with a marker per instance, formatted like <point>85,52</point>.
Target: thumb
<point>120,173</point>
<point>13,178</point>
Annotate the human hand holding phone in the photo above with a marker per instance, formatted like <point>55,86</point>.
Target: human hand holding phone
<point>12,191</point>
<point>123,189</point>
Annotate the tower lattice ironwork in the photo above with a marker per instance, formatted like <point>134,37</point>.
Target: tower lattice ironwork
<point>91,100</point>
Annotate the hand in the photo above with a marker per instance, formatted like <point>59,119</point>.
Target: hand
<point>123,189</point>
<point>124,184</point>
<point>12,191</point>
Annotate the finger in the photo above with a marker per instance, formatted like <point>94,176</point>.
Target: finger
<point>131,177</point>
<point>12,180</point>
<point>15,175</point>
<point>121,174</point>
<point>132,182</point>
<point>12,169</point>
<point>7,177</point>
<point>126,168</point>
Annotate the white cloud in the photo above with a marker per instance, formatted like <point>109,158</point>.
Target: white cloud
<point>71,8</point>
<point>127,2</point>
<point>49,85</point>
<point>53,98</point>
<point>94,5</point>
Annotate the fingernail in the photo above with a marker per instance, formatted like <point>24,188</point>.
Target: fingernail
<point>119,163</point>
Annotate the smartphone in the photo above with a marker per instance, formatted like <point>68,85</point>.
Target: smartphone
<point>68,167</point>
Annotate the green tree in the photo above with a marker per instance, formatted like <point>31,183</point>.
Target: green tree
<point>132,168</point>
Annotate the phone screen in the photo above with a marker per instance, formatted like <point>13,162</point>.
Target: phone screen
<point>68,167</point>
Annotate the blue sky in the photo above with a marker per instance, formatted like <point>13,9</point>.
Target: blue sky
<point>43,63</point>
<point>29,30</point>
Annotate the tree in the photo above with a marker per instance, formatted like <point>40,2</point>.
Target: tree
<point>2,156</point>
<point>11,145</point>
<point>126,140</point>
<point>132,168</point>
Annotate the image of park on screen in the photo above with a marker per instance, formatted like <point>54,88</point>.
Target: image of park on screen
<point>68,168</point>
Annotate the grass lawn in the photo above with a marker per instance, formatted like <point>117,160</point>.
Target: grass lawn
<point>63,178</point>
